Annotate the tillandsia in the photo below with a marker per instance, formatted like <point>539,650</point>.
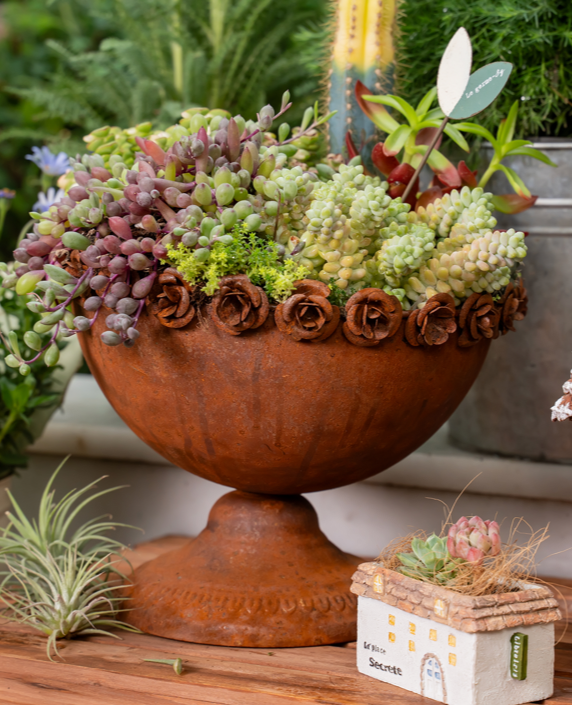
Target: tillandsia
<point>61,581</point>
<point>220,198</point>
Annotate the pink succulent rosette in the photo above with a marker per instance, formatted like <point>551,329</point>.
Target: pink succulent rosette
<point>473,539</point>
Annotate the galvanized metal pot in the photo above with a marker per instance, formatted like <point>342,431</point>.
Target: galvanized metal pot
<point>274,418</point>
<point>507,411</point>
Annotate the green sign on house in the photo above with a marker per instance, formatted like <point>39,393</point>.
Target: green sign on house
<point>518,656</point>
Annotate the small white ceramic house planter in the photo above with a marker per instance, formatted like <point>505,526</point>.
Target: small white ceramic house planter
<point>456,649</point>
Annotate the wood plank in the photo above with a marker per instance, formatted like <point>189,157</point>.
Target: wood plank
<point>102,671</point>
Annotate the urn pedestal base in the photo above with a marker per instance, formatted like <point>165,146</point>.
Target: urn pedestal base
<point>261,574</point>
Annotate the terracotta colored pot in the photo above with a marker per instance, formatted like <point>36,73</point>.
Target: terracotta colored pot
<point>265,414</point>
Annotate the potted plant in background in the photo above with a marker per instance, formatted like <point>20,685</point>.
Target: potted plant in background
<point>507,409</point>
<point>436,613</point>
<point>29,399</point>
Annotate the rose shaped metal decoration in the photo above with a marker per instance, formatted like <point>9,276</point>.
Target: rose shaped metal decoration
<point>432,324</point>
<point>479,318</point>
<point>238,305</point>
<point>372,315</point>
<point>171,299</point>
<point>307,314</point>
<point>513,307</point>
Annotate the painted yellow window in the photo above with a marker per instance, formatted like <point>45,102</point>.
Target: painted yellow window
<point>452,659</point>
<point>378,584</point>
<point>411,645</point>
<point>392,637</point>
<point>392,620</point>
<point>433,634</point>
<point>452,640</point>
<point>440,608</point>
<point>411,628</point>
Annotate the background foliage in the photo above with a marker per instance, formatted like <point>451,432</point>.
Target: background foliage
<point>535,35</point>
<point>70,66</point>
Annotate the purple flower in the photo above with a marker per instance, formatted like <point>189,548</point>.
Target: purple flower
<point>45,200</point>
<point>7,194</point>
<point>50,164</point>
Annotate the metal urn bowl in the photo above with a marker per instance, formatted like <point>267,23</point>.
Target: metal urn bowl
<point>507,411</point>
<point>273,418</point>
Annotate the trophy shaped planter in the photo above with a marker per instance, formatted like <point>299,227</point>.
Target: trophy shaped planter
<point>273,418</point>
<point>304,325</point>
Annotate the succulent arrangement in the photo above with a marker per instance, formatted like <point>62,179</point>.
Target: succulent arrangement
<point>438,559</point>
<point>60,581</point>
<point>247,219</point>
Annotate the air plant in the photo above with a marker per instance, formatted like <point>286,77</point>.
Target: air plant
<point>60,581</point>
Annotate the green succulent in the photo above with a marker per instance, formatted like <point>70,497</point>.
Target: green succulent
<point>429,561</point>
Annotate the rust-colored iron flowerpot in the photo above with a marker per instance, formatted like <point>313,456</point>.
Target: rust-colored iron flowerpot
<point>272,417</point>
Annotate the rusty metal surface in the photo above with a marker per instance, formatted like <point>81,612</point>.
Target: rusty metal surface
<point>263,413</point>
<point>261,574</point>
<point>267,414</point>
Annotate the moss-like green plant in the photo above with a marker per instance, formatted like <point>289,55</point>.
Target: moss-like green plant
<point>57,580</point>
<point>260,259</point>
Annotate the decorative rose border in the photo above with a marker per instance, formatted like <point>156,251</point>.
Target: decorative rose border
<point>371,315</point>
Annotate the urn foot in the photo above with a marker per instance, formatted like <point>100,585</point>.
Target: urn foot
<point>261,574</point>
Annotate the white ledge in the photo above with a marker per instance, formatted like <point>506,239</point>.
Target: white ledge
<point>87,427</point>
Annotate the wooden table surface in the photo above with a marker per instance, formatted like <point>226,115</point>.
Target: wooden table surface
<point>104,671</point>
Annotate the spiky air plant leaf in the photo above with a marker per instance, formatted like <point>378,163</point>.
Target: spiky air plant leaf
<point>62,582</point>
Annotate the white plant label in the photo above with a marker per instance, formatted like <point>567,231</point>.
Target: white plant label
<point>454,71</point>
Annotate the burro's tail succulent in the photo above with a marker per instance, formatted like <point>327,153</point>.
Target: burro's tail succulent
<point>473,539</point>
<point>429,561</point>
<point>363,49</point>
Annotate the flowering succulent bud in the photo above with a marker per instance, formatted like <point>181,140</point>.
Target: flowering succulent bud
<point>473,539</point>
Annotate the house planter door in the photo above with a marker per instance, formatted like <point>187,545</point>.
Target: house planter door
<point>432,678</point>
